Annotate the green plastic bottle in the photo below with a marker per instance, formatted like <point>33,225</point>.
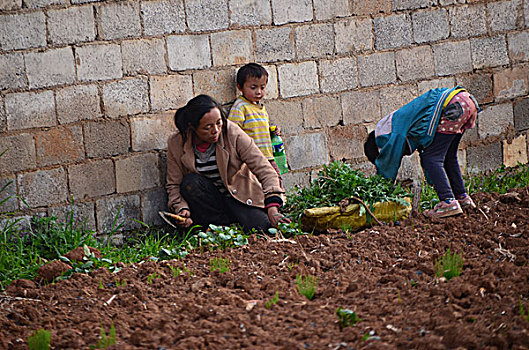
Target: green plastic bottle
<point>278,148</point>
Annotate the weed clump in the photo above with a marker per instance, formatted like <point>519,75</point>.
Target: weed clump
<point>307,285</point>
<point>449,265</point>
<point>39,340</point>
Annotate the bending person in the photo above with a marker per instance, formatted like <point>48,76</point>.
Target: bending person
<point>216,174</point>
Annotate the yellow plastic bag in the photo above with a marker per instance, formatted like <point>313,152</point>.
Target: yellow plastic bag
<point>323,218</point>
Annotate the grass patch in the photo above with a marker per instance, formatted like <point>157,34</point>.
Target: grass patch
<point>449,265</point>
<point>272,301</point>
<point>307,285</point>
<point>220,264</point>
<point>39,340</point>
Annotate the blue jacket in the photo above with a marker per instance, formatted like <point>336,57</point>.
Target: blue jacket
<point>412,126</point>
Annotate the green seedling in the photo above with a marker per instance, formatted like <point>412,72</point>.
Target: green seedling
<point>307,285</point>
<point>399,300</point>
<point>523,312</point>
<point>449,265</point>
<point>106,341</point>
<point>222,265</point>
<point>272,301</point>
<point>175,270</point>
<point>120,282</point>
<point>101,285</point>
<point>346,318</point>
<point>152,276</point>
<point>39,340</point>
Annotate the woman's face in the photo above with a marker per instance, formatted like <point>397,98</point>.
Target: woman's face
<point>209,128</point>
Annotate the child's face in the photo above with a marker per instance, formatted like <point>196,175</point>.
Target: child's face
<point>254,88</point>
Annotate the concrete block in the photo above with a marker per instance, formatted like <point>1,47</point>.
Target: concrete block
<point>126,97</point>
<point>412,4</point>
<point>361,106</point>
<point>92,179</point>
<point>338,75</point>
<point>511,82</point>
<point>49,68</point>
<point>395,97</point>
<point>119,20</point>
<point>321,111</point>
<point>204,15</point>
<point>346,142</point>
<point>501,15</point>
<point>250,12</point>
<point>292,180</point>
<point>170,91</point>
<point>71,25</point>
<point>27,110</point>
<point>526,12</point>
<point>288,114</point>
<point>353,35</point>
<point>79,102</point>
<point>107,138</point>
<point>329,9</point>
<point>232,47</point>
<point>315,40</point>
<point>274,44</point>
<point>33,4</point>
<point>6,5</point>
<point>426,85</point>
<point>452,58</point>
<point>137,172</point>
<point>220,84</point>
<point>286,11</point>
<point>82,215</point>
<point>272,90</point>
<point>366,8</point>
<point>489,52</point>
<point>43,187</point>
<point>84,1</point>
<point>121,211</point>
<point>430,26</point>
<point>152,202</point>
<point>151,132</point>
<point>521,114</point>
<point>20,154</point>
<point>3,119</point>
<point>519,46</point>
<point>377,69</point>
<point>22,31</point>
<point>479,85</point>
<point>298,79</point>
<point>415,63</point>
<point>467,21</point>
<point>392,31</point>
<point>163,17</point>
<point>59,145</point>
<point>12,74</point>
<point>515,153</point>
<point>306,150</point>
<point>196,56</point>
<point>98,62</point>
<point>143,56</point>
<point>8,198</point>
<point>484,158</point>
<point>495,120</point>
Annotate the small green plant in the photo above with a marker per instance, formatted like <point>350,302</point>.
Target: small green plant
<point>346,318</point>
<point>152,276</point>
<point>39,340</point>
<point>175,270</point>
<point>101,285</point>
<point>399,300</point>
<point>105,340</point>
<point>272,301</point>
<point>220,264</point>
<point>120,282</point>
<point>523,312</point>
<point>307,285</point>
<point>449,265</point>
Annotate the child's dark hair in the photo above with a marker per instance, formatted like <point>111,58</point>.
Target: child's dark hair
<point>250,70</point>
<point>193,111</point>
<point>371,148</point>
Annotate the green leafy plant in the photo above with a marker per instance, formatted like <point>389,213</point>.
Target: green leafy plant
<point>175,270</point>
<point>152,277</point>
<point>449,265</point>
<point>220,264</point>
<point>346,318</point>
<point>307,285</point>
<point>524,313</point>
<point>39,340</point>
<point>105,341</point>
<point>272,301</point>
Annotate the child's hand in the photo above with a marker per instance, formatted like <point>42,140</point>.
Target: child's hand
<point>277,131</point>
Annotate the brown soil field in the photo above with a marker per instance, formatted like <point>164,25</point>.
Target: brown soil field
<point>385,274</point>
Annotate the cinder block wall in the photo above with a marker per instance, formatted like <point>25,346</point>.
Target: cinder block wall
<point>89,88</point>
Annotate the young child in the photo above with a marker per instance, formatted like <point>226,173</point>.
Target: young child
<point>249,113</point>
<point>433,124</point>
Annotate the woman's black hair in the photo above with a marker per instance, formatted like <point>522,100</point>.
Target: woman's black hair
<point>371,148</point>
<point>250,70</point>
<point>193,111</point>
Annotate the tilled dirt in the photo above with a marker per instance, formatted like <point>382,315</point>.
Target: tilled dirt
<point>385,274</point>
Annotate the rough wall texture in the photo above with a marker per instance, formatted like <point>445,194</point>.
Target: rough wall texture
<point>89,88</point>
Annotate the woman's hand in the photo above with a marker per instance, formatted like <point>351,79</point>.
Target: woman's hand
<point>185,213</point>
<point>276,217</point>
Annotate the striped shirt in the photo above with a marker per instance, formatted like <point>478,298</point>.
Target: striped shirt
<point>253,119</point>
<point>206,165</point>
